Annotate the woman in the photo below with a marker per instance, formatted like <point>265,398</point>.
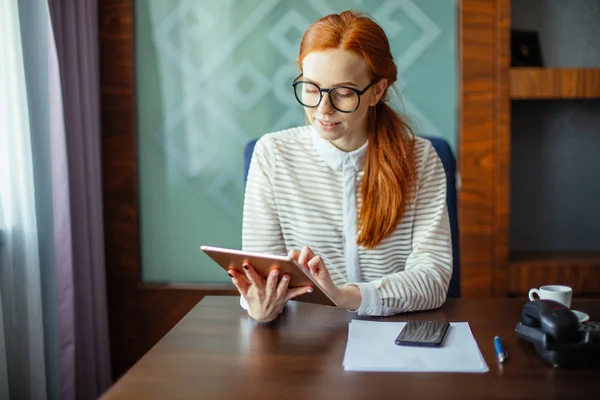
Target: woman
<point>356,191</point>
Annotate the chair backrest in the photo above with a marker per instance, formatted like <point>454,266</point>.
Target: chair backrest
<point>445,153</point>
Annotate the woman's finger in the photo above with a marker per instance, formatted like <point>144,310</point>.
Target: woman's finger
<point>294,254</point>
<point>239,282</point>
<point>315,264</point>
<point>253,277</point>
<point>295,292</point>
<point>305,255</point>
<point>283,286</point>
<point>272,280</point>
<point>238,275</point>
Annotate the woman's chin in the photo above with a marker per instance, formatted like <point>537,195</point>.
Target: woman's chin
<point>328,134</point>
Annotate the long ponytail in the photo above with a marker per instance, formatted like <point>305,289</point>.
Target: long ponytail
<point>389,178</point>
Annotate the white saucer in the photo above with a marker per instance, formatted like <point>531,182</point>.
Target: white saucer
<point>581,316</point>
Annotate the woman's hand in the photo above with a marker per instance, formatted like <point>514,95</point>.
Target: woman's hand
<point>348,297</point>
<point>266,298</point>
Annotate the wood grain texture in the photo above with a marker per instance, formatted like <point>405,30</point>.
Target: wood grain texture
<point>139,315</point>
<point>579,270</point>
<point>119,180</point>
<point>554,83</point>
<point>217,352</point>
<point>500,271</point>
<point>556,257</point>
<point>477,157</point>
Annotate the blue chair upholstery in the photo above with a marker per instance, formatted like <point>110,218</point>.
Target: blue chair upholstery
<point>445,153</point>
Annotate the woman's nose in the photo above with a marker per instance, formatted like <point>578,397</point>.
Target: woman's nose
<point>325,106</point>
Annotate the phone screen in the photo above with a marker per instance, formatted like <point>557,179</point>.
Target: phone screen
<point>423,333</point>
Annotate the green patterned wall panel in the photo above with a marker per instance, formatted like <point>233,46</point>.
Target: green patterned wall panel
<point>211,75</point>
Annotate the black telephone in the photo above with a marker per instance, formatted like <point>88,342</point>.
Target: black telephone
<point>554,331</point>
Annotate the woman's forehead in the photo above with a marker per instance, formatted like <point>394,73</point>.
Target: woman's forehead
<point>334,66</point>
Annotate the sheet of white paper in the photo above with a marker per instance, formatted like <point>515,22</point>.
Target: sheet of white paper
<point>371,347</point>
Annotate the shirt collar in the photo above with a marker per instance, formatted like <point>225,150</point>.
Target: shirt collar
<point>335,157</point>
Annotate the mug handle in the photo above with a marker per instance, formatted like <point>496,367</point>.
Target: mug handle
<point>532,292</point>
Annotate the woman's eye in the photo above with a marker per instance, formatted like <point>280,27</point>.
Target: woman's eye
<point>343,93</point>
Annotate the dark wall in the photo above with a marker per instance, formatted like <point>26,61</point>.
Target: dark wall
<point>555,169</point>
<point>569,30</point>
<point>555,175</point>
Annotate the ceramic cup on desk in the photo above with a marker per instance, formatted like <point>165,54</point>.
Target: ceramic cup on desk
<point>560,293</point>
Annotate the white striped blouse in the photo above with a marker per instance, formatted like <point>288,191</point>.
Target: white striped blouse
<point>303,191</point>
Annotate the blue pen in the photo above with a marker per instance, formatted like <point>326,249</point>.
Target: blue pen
<point>500,352</point>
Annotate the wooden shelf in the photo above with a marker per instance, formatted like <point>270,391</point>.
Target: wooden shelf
<point>554,83</point>
<point>555,258</point>
<point>580,270</point>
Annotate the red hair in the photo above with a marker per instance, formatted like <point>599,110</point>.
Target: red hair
<point>390,171</point>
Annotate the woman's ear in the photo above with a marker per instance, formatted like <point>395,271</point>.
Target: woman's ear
<point>378,91</point>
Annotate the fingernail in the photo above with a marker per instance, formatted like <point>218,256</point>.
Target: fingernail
<point>230,274</point>
<point>308,290</point>
<point>275,273</point>
<point>245,266</point>
<point>285,278</point>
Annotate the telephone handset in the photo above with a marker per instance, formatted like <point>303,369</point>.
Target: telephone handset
<point>554,331</point>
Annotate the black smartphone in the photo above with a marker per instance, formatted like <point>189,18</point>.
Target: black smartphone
<point>423,333</point>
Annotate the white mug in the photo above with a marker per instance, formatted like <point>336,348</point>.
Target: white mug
<point>560,293</point>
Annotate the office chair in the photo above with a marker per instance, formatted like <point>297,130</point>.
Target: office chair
<point>445,153</point>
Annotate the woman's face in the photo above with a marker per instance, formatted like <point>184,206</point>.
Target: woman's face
<point>337,67</point>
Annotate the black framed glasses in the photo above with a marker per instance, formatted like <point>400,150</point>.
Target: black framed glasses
<point>343,98</point>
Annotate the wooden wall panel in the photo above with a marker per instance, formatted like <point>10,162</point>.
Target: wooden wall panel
<point>477,143</point>
<point>580,270</point>
<point>584,278</point>
<point>119,179</point>
<point>500,271</point>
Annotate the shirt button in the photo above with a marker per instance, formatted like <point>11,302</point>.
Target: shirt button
<point>369,311</point>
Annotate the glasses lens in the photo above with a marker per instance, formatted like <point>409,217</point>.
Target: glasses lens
<point>308,94</point>
<point>344,99</point>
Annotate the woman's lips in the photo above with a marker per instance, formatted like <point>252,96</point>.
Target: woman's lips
<point>327,125</point>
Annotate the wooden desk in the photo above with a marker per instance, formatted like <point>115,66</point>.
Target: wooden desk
<point>217,352</point>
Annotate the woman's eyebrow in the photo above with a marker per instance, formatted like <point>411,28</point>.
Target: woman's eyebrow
<point>345,83</point>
